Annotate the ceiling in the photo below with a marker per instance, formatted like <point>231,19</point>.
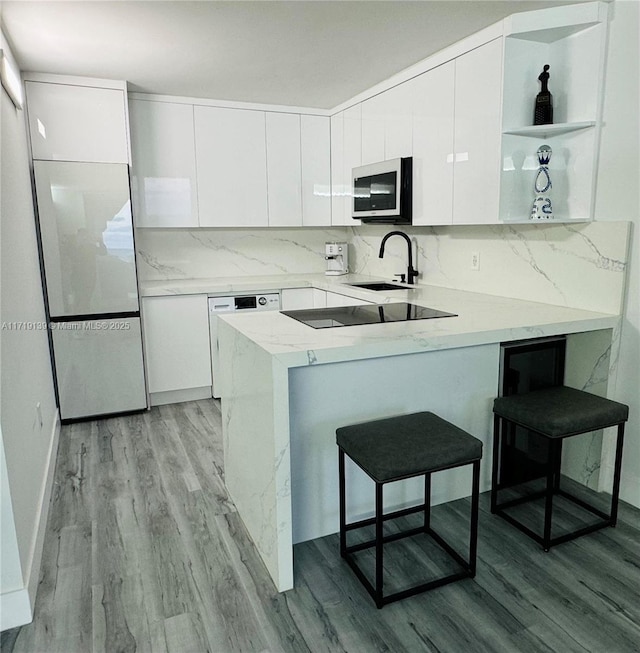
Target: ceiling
<point>299,53</point>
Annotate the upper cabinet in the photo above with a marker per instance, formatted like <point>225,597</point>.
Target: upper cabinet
<point>298,170</point>
<point>315,154</point>
<point>476,152</point>
<point>571,40</point>
<point>284,170</point>
<point>68,122</point>
<point>164,164</point>
<point>346,154</point>
<point>206,166</point>
<point>465,116</point>
<point>433,107</point>
<point>231,159</point>
<point>387,125</point>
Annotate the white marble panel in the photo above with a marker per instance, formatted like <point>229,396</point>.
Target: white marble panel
<point>255,418</point>
<point>587,368</point>
<point>205,253</point>
<point>580,265</point>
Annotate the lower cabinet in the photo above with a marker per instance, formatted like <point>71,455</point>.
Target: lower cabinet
<point>301,298</point>
<point>292,299</point>
<point>336,299</point>
<point>178,355</point>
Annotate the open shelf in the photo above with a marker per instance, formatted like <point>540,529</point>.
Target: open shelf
<point>543,131</point>
<point>571,40</point>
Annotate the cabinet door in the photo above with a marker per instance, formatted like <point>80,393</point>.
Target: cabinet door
<point>338,188</point>
<point>352,144</point>
<point>373,115</point>
<point>284,173</point>
<point>315,143</point>
<point>163,153</point>
<point>387,125</point>
<point>319,298</point>
<point>346,154</point>
<point>292,299</point>
<point>178,353</point>
<point>231,163</point>
<point>77,123</point>
<point>477,135</point>
<point>398,125</point>
<point>433,106</point>
<point>336,299</point>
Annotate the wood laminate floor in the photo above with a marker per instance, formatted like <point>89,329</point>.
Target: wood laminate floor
<point>144,552</point>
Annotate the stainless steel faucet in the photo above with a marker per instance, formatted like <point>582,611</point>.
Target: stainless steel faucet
<point>411,273</point>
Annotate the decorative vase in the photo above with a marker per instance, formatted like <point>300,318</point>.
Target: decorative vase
<point>542,208</point>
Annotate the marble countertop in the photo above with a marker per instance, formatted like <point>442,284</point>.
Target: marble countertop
<point>247,284</point>
<point>481,319</point>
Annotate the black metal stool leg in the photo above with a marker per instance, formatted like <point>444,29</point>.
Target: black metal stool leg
<point>558,470</point>
<point>379,546</point>
<point>496,463</point>
<point>427,502</point>
<point>553,464</point>
<point>475,500</point>
<point>343,509</point>
<point>617,469</point>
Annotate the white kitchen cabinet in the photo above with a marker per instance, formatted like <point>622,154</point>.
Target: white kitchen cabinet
<point>338,187</point>
<point>231,162</point>
<point>346,140</point>
<point>336,299</point>
<point>477,120</point>
<point>292,299</point>
<point>372,113</point>
<point>301,298</point>
<point>433,128</point>
<point>163,152</point>
<point>315,154</point>
<point>77,123</point>
<point>176,335</point>
<point>387,125</point>
<point>284,169</point>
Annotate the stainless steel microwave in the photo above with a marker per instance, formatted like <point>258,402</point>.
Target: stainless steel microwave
<point>382,192</point>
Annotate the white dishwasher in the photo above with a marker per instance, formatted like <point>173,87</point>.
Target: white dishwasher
<point>231,304</point>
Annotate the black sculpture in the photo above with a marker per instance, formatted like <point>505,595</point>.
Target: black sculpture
<point>543,112</point>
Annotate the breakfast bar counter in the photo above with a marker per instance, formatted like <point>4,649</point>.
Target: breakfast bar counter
<point>287,386</point>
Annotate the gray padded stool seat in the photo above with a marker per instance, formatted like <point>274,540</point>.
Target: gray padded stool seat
<point>555,413</point>
<point>398,448</point>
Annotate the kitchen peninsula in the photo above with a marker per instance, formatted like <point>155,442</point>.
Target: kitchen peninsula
<point>287,386</point>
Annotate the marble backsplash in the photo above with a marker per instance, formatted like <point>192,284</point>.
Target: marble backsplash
<point>579,265</point>
<point>206,253</point>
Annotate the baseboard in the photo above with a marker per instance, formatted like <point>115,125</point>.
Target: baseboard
<point>15,609</point>
<point>32,573</point>
<point>178,396</point>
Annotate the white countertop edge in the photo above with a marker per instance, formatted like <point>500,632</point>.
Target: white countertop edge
<point>458,341</point>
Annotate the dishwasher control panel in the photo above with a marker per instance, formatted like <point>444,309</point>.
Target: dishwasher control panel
<point>265,302</point>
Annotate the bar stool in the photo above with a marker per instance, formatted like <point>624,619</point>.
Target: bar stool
<point>555,414</point>
<point>399,448</point>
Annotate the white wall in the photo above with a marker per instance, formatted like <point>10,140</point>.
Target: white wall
<point>29,446</point>
<point>618,198</point>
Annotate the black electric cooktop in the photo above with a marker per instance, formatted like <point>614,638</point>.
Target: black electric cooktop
<point>341,316</point>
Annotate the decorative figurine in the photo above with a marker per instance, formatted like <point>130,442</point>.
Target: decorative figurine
<point>542,209</point>
<point>543,112</point>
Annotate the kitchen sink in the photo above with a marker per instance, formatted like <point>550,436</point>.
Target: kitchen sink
<point>379,285</point>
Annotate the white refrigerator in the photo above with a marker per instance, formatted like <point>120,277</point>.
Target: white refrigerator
<point>89,274</point>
